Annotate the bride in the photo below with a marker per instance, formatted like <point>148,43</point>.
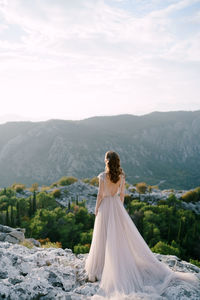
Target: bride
<point>119,257</point>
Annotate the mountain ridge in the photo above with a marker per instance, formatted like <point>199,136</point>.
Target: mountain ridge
<point>156,147</point>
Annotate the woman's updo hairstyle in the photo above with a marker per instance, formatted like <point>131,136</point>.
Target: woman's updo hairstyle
<point>112,167</point>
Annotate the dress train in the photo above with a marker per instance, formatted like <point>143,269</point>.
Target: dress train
<point>122,261</point>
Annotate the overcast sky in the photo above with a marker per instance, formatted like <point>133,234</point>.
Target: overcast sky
<point>74,59</point>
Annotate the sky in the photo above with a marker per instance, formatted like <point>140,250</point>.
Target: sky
<point>64,59</point>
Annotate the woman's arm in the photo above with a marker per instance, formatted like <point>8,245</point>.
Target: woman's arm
<point>99,195</point>
<point>122,192</point>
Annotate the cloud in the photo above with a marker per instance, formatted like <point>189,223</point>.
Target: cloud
<point>98,49</point>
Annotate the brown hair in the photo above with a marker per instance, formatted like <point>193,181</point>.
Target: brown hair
<point>112,167</point>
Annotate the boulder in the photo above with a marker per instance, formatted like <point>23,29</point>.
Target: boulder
<point>11,235</point>
<point>34,242</point>
<point>17,235</point>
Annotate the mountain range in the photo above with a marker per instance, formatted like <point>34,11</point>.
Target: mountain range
<point>159,148</point>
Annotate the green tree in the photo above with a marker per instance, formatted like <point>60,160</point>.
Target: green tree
<point>45,200</point>
<point>18,217</point>
<point>34,202</point>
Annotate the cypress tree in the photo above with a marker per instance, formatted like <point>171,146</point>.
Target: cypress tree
<point>7,217</point>
<point>179,231</point>
<point>34,202</point>
<point>30,211</point>
<point>12,217</point>
<point>18,221</point>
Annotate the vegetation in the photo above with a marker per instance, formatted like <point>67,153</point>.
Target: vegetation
<point>192,196</point>
<point>44,219</point>
<point>56,193</point>
<point>18,187</point>
<point>46,243</point>
<point>141,188</point>
<point>27,244</point>
<point>94,181</point>
<point>167,227</point>
<point>195,262</point>
<point>67,180</point>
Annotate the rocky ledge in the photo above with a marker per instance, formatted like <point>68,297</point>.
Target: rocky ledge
<point>54,273</point>
<point>11,235</point>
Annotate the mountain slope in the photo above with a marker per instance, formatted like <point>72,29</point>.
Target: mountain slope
<point>157,147</point>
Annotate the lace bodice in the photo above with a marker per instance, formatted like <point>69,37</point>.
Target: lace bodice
<point>109,188</point>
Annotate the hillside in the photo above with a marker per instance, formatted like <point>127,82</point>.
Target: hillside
<point>158,148</point>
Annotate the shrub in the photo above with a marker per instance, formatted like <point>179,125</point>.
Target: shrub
<point>86,180</point>
<point>166,249</point>
<point>46,243</point>
<point>27,244</point>
<point>141,187</point>
<point>81,248</point>
<point>94,181</point>
<point>195,262</point>
<point>190,196</point>
<point>67,180</point>
<point>56,193</point>
<point>19,188</point>
<point>197,190</point>
<point>45,188</point>
<point>52,245</point>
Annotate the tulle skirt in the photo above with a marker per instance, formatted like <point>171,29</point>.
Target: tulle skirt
<point>120,258</point>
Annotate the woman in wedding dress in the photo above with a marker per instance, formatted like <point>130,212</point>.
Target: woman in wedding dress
<point>119,257</point>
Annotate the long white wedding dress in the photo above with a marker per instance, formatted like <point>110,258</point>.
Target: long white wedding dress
<point>119,257</point>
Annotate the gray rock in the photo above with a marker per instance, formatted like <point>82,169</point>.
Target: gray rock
<point>3,274</point>
<point>11,239</point>
<point>11,235</point>
<point>53,273</point>
<point>21,229</point>
<point>5,229</point>
<point>18,235</point>
<point>2,236</point>
<point>34,242</point>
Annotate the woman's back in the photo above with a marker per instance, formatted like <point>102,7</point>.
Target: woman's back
<point>111,188</point>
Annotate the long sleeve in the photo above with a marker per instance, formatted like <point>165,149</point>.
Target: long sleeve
<point>122,191</point>
<point>100,190</point>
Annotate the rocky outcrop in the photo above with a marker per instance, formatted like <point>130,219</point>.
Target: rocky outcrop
<point>55,273</point>
<point>80,190</point>
<point>11,235</point>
